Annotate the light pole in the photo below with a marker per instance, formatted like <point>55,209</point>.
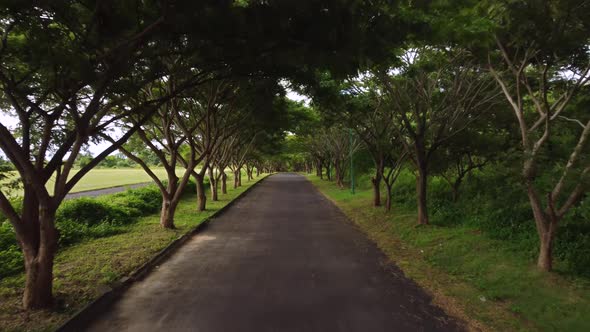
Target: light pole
<point>351,162</point>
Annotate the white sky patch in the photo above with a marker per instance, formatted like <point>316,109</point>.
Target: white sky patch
<point>11,122</point>
<point>297,97</point>
<point>8,120</point>
<point>294,95</point>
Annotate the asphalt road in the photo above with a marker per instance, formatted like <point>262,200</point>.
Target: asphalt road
<point>284,258</point>
<point>106,191</point>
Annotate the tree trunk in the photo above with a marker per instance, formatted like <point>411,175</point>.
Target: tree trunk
<point>201,196</point>
<point>223,183</point>
<point>545,260</point>
<point>388,197</point>
<point>39,252</point>
<point>257,171</point>
<point>240,178</point>
<point>339,175</point>
<point>455,188</point>
<point>167,213</point>
<point>376,181</point>
<point>236,178</point>
<point>214,193</point>
<point>546,229</point>
<point>213,185</point>
<point>421,191</point>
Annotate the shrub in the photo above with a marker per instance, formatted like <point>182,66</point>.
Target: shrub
<point>90,212</point>
<point>10,255</point>
<point>12,262</point>
<point>141,201</point>
<point>71,231</point>
<point>7,239</point>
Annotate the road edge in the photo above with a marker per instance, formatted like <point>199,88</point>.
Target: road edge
<point>81,318</point>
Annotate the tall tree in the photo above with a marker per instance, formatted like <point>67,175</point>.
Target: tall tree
<point>173,125</point>
<point>375,126</point>
<point>63,68</point>
<point>541,61</point>
<point>434,94</point>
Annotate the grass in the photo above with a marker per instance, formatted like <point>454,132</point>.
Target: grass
<point>100,178</point>
<point>484,282</point>
<point>83,271</point>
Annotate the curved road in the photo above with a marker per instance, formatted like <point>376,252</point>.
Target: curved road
<point>283,258</point>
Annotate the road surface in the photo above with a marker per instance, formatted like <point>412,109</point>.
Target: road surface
<point>283,258</point>
<point>106,191</point>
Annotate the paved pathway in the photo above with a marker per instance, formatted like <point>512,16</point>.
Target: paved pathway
<point>106,191</point>
<point>283,258</point>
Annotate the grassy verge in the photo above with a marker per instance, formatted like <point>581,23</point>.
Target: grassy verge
<point>83,271</point>
<point>483,281</point>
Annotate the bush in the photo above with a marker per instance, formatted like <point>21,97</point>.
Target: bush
<point>7,239</point>
<point>12,262</point>
<point>11,257</point>
<point>91,212</point>
<point>71,231</point>
<point>138,202</point>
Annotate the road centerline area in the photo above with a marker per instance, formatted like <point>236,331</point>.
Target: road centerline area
<point>283,258</point>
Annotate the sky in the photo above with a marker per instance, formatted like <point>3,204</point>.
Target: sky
<point>297,97</point>
<point>11,122</point>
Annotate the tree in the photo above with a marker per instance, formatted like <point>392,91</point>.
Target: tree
<point>64,67</point>
<point>366,112</point>
<point>541,62</point>
<point>375,126</point>
<point>173,124</point>
<point>220,161</point>
<point>434,95</point>
<point>217,102</point>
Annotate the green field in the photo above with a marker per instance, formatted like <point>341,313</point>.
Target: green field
<point>100,178</point>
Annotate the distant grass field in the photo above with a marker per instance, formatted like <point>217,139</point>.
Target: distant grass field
<point>100,178</point>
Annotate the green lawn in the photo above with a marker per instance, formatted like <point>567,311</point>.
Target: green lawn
<point>483,281</point>
<point>83,270</point>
